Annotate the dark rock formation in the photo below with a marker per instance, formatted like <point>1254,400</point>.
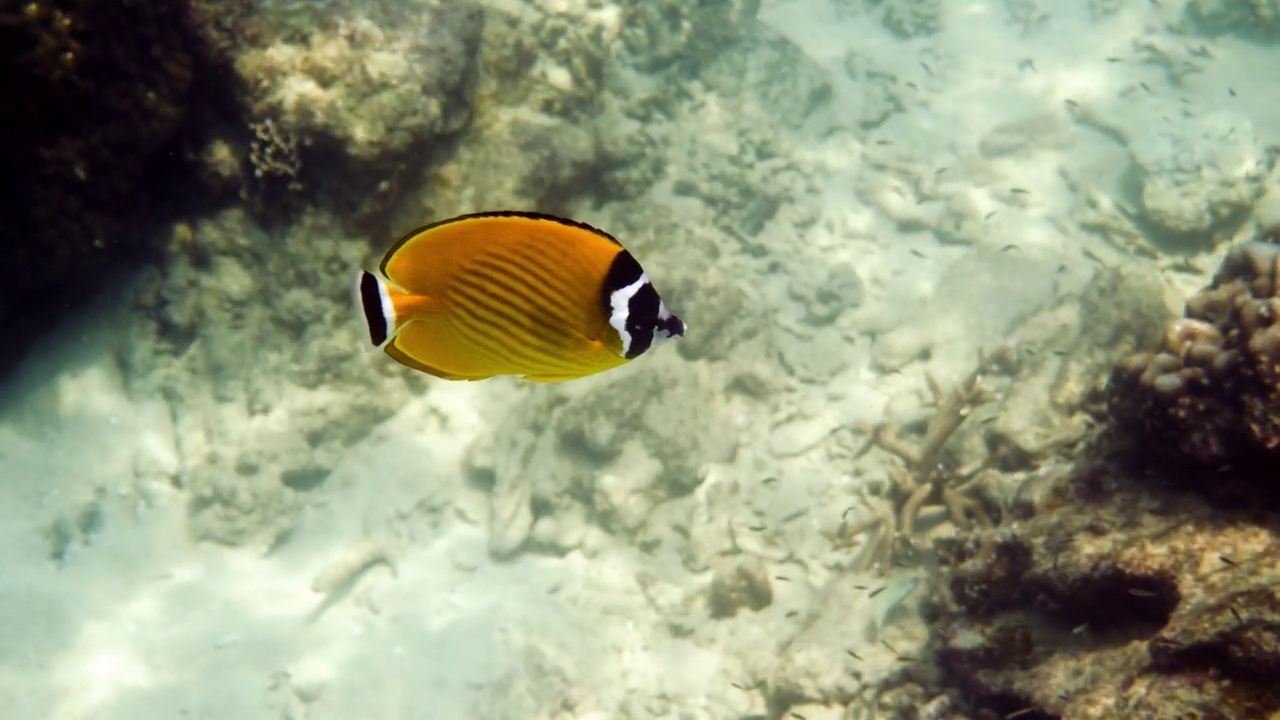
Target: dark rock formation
<point>96,131</point>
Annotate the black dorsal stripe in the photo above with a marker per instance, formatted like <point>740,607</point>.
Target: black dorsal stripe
<point>493,214</point>
<point>371,304</point>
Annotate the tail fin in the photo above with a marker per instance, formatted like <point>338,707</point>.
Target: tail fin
<point>375,302</point>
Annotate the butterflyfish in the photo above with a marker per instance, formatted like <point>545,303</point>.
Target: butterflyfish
<point>512,293</point>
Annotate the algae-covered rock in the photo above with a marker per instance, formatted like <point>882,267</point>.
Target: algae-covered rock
<point>1067,355</point>
<point>724,312</point>
<point>513,460</point>
<point>236,506</point>
<point>960,319</point>
<point>672,416</point>
<point>814,355</point>
<point>1254,19</point>
<point>913,18</point>
<point>1026,135</point>
<point>838,289</point>
<point>876,90</point>
<point>350,112</point>
<point>1200,176</point>
<point>738,584</point>
<point>1117,593</point>
<point>771,72</point>
<point>665,33</point>
<point>253,347</point>
<point>519,158</point>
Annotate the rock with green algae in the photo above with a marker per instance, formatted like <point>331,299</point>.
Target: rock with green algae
<point>671,34</point>
<point>1066,354</point>
<point>1252,19</point>
<point>1200,178</point>
<point>913,18</point>
<point>725,308</point>
<point>741,583</point>
<point>581,91</point>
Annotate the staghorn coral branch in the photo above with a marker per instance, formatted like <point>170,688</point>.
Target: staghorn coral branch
<point>950,411</point>
<point>923,480</point>
<point>885,436</point>
<point>911,508</point>
<point>960,507</point>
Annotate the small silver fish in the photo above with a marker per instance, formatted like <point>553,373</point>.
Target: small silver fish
<point>888,601</point>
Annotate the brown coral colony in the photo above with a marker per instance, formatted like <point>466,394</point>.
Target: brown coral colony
<point>1211,395</point>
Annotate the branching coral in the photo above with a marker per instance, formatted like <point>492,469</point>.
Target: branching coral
<point>273,153</point>
<point>924,478</point>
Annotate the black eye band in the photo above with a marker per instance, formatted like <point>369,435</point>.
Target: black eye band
<point>642,318</point>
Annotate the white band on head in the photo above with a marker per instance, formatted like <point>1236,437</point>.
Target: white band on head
<point>620,307</point>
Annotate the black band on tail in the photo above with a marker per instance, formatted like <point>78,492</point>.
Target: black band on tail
<point>371,304</point>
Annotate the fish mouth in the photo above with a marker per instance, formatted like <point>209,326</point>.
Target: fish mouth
<point>673,327</point>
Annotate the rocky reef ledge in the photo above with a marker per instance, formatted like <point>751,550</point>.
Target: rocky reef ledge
<point>1144,579</point>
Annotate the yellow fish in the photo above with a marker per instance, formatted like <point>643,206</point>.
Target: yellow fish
<point>513,293</point>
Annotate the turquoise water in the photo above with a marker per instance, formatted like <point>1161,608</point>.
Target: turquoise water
<point>910,239</point>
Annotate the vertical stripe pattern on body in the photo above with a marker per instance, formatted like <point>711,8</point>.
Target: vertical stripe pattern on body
<point>516,310</point>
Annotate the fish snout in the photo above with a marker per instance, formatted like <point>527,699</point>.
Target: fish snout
<point>670,327</point>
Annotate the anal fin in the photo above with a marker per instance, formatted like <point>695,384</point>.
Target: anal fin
<point>414,334</point>
<point>549,378</point>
